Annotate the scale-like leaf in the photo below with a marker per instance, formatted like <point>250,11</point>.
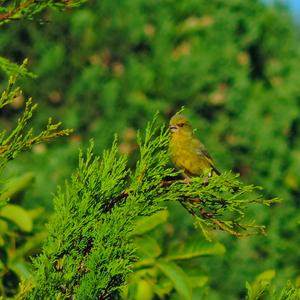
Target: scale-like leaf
<point>260,285</point>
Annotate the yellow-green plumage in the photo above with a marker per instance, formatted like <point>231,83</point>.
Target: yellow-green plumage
<point>187,152</point>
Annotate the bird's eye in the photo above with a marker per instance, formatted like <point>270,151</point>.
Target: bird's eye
<point>180,124</point>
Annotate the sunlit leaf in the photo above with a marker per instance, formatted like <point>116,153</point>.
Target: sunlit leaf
<point>198,281</point>
<point>16,185</point>
<point>17,215</point>
<point>144,290</point>
<point>3,226</point>
<point>178,277</point>
<point>146,224</point>
<point>37,212</point>
<point>194,249</point>
<point>163,287</point>
<point>21,269</point>
<point>147,247</point>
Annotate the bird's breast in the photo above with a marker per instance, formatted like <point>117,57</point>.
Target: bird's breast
<point>180,150</point>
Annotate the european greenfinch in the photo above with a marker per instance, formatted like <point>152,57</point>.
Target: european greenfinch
<point>187,152</point>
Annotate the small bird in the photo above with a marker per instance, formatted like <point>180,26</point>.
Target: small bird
<point>187,152</point>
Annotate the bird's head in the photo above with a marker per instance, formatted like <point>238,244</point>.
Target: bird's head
<point>180,124</point>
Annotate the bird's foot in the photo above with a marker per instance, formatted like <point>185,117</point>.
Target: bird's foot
<point>205,181</point>
<point>187,180</point>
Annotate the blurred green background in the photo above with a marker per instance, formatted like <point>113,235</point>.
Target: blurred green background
<point>108,66</point>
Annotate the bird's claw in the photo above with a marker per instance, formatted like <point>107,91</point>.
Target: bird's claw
<point>205,181</point>
<point>187,180</point>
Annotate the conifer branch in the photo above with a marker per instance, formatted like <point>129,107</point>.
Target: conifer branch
<point>21,137</point>
<point>14,70</point>
<point>90,252</point>
<point>28,8</point>
<point>221,204</point>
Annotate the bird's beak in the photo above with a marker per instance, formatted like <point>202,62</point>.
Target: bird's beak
<point>173,128</point>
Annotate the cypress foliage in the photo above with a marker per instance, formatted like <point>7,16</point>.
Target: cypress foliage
<point>26,9</point>
<point>14,219</point>
<point>90,249</point>
<point>262,288</point>
<point>89,252</point>
<point>17,235</point>
<point>22,137</point>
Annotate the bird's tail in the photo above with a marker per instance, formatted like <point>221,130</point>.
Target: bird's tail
<point>214,170</point>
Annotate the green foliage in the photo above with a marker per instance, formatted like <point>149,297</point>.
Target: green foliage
<point>12,69</point>
<point>18,238</point>
<point>89,239</point>
<point>22,138</point>
<point>20,9</point>
<point>289,292</point>
<point>15,262</point>
<point>163,271</point>
<point>262,286</point>
<point>221,204</point>
<point>234,64</point>
<point>89,252</point>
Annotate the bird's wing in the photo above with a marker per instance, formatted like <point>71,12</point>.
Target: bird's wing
<point>202,151</point>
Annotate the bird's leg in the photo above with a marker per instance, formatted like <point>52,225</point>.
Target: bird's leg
<point>205,181</point>
<point>187,179</point>
<point>206,178</point>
